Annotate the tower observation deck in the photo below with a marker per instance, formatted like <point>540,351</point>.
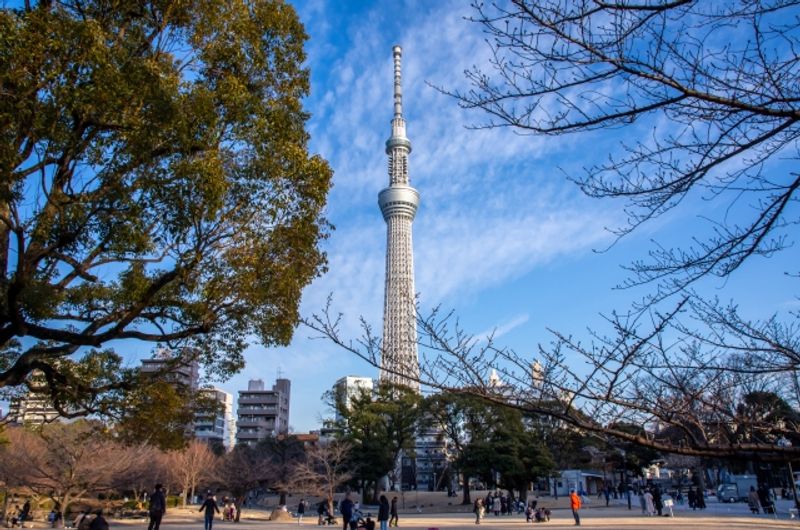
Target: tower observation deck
<point>398,203</point>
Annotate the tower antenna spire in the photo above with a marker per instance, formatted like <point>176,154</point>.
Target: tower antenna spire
<point>397,51</point>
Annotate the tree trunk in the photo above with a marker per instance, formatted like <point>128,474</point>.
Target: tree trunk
<point>465,499</point>
<point>5,505</point>
<point>63,507</point>
<point>282,500</point>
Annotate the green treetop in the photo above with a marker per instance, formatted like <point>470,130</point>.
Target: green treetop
<point>155,185</point>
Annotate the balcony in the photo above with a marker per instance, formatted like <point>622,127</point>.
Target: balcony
<point>257,423</point>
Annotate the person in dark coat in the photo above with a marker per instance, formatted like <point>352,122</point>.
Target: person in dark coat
<point>346,509</point>
<point>158,507</point>
<point>658,503</point>
<point>301,510</point>
<point>24,514</point>
<point>766,500</point>
<point>383,512</point>
<point>99,522</point>
<point>393,512</point>
<point>210,506</point>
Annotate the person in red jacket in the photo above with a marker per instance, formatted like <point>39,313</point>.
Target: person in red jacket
<point>575,504</point>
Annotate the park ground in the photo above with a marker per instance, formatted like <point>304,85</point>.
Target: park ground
<point>439,514</point>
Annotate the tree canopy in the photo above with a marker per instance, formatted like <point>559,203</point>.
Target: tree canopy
<point>378,427</point>
<point>155,185</point>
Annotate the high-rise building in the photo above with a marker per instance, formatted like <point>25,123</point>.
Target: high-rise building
<point>216,427</point>
<point>398,203</point>
<point>183,367</point>
<point>346,388</point>
<point>262,412</point>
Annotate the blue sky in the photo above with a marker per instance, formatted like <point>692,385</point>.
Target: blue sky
<point>500,237</point>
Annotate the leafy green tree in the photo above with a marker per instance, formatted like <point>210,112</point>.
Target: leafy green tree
<point>527,457</point>
<point>155,185</point>
<point>379,427</point>
<point>160,413</point>
<point>464,421</point>
<point>509,448</point>
<point>765,417</point>
<point>486,438</point>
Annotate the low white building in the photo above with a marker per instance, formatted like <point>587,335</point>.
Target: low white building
<point>587,482</point>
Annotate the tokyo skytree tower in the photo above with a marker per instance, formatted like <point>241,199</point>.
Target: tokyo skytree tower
<point>398,202</point>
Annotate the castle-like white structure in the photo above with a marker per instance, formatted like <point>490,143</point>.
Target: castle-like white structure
<point>398,202</point>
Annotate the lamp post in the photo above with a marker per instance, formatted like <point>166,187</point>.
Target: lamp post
<point>784,443</point>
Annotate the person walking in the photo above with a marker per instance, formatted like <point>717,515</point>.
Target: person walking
<point>24,514</point>
<point>648,502</point>
<point>158,507</point>
<point>575,504</point>
<point>752,500</point>
<point>210,506</point>
<point>301,510</point>
<point>383,512</point>
<point>346,509</point>
<point>477,509</point>
<point>496,505</point>
<point>393,512</point>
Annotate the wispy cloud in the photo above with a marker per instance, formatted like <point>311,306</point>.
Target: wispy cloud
<point>487,212</point>
<point>502,329</point>
<point>490,211</point>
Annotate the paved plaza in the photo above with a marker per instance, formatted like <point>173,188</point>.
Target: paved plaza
<point>723,516</point>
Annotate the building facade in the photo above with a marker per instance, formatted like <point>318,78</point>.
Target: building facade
<point>218,427</point>
<point>398,203</point>
<point>261,412</point>
<point>32,408</point>
<point>348,387</point>
<point>183,368</point>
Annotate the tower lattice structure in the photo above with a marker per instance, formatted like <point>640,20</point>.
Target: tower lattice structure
<point>398,202</point>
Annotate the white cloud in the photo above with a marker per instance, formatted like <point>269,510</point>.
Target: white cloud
<point>504,328</point>
<point>488,212</point>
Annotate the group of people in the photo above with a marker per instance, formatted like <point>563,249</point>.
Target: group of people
<point>504,505</point>
<point>651,500</point>
<point>539,515</point>
<point>696,499</point>
<point>18,516</point>
<point>355,520</point>
<point>760,499</point>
